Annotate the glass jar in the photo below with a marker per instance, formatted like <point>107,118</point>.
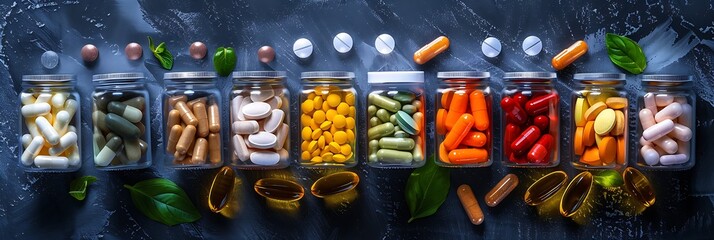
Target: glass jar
<point>396,132</point>
<point>530,121</point>
<point>260,120</point>
<point>328,119</point>
<point>464,95</point>
<point>192,114</point>
<point>50,124</point>
<point>666,123</point>
<point>121,122</point>
<point>599,121</point>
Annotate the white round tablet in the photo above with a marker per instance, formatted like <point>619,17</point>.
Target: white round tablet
<point>302,48</point>
<point>342,42</point>
<point>384,44</point>
<point>491,47</point>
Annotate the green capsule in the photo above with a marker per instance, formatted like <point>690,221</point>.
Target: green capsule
<point>396,143</point>
<point>99,120</point>
<point>121,126</point>
<point>394,156</point>
<point>384,102</point>
<point>400,134</point>
<point>404,97</point>
<point>383,115</point>
<point>411,109</point>
<point>108,152</point>
<point>373,158</point>
<point>393,119</point>
<point>371,110</point>
<point>373,146</point>
<point>98,140</point>
<point>417,153</point>
<point>384,129</point>
<point>374,121</point>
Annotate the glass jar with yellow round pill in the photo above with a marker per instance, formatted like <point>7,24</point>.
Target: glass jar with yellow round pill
<point>260,120</point>
<point>192,120</point>
<point>599,121</point>
<point>328,120</point>
<point>121,122</point>
<point>666,125</point>
<point>50,124</point>
<point>464,93</point>
<point>395,130</point>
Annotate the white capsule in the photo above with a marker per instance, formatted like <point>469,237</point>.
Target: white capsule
<point>43,98</point>
<point>264,158</point>
<point>35,109</point>
<point>47,131</point>
<point>51,162</point>
<point>245,127</point>
<point>667,144</point>
<point>658,130</point>
<point>58,99</point>
<point>71,106</point>
<point>32,150</point>
<point>302,48</point>
<point>671,111</point>
<point>32,127</point>
<point>647,118</point>
<point>673,159</point>
<point>74,157</point>
<point>61,122</point>
<point>650,155</point>
<point>235,107</point>
<point>240,149</point>
<point>72,129</point>
<point>66,141</point>
<point>659,150</point>
<point>27,98</point>
<point>644,142</point>
<point>491,47</point>
<point>650,103</point>
<point>684,148</point>
<point>662,100</point>
<point>681,132</point>
<point>342,42</point>
<point>26,139</point>
<point>686,117</point>
<point>384,44</point>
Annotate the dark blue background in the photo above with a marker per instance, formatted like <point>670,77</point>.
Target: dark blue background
<point>676,37</point>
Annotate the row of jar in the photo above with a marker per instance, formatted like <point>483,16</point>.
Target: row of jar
<point>259,126</point>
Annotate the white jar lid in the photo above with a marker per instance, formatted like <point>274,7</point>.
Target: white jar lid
<point>396,77</point>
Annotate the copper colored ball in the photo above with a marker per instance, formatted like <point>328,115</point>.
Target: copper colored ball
<point>133,51</point>
<point>198,50</point>
<point>90,53</point>
<point>266,54</point>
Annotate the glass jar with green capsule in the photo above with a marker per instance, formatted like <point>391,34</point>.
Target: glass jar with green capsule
<point>120,120</point>
<point>395,108</point>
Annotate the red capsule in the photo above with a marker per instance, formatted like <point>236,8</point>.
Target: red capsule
<point>517,158</point>
<point>527,138</point>
<point>511,133</point>
<point>540,105</point>
<point>520,98</point>
<point>540,152</point>
<point>514,112</point>
<point>542,122</point>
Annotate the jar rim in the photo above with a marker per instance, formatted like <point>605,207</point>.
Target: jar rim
<point>117,76</point>
<point>189,75</point>
<point>610,77</point>
<point>60,78</point>
<point>396,77</point>
<point>668,78</point>
<point>327,74</point>
<point>510,76</point>
<point>259,74</point>
<point>463,75</point>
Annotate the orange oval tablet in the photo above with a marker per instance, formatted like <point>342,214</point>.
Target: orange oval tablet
<point>475,139</point>
<point>578,146</point>
<point>616,102</point>
<point>619,128</point>
<point>591,157</point>
<point>446,99</point>
<point>589,133</point>
<point>441,121</point>
<point>608,150</point>
<point>468,156</point>
<point>594,110</point>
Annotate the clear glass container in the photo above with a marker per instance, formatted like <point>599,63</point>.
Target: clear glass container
<point>598,128</point>
<point>50,124</point>
<point>328,120</point>
<point>121,123</point>
<point>464,94</point>
<point>666,125</point>
<point>530,120</point>
<point>192,117</point>
<point>395,131</point>
<point>260,112</point>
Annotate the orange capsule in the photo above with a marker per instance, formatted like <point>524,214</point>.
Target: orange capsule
<point>446,99</point>
<point>441,121</point>
<point>569,55</point>
<point>479,110</point>
<point>429,51</point>
<point>475,139</point>
<point>458,105</point>
<point>468,156</point>
<point>443,154</point>
<point>470,204</point>
<point>458,132</point>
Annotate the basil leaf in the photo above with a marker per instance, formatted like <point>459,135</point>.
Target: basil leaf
<point>78,187</point>
<point>163,201</point>
<point>224,61</point>
<point>609,178</point>
<point>427,188</point>
<point>625,53</point>
<point>162,55</point>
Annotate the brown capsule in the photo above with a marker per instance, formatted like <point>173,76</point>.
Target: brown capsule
<point>186,114</point>
<point>199,110</point>
<point>279,189</point>
<point>638,186</point>
<point>214,148</point>
<point>179,158</point>
<point>501,190</point>
<point>545,188</point>
<point>133,51</point>
<point>214,118</point>
<point>334,183</point>
<point>186,139</point>
<point>200,149</point>
<point>174,118</point>
<point>203,100</point>
<point>198,50</point>
<point>221,191</point>
<point>89,53</point>
<point>177,98</point>
<point>266,54</point>
<point>173,139</point>
<point>470,204</point>
<point>576,193</point>
<point>141,127</point>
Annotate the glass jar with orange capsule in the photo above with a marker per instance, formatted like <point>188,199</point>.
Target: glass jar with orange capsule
<point>463,119</point>
<point>328,119</point>
<point>599,121</point>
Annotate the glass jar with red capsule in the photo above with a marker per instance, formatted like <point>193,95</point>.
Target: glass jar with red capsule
<point>530,122</point>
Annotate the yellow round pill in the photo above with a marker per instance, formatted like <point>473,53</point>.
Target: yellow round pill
<point>314,126</point>
<point>339,158</point>
<point>316,159</point>
<point>305,120</point>
<point>334,147</point>
<point>305,155</point>
<point>307,106</point>
<point>316,134</point>
<point>328,137</point>
<point>318,116</point>
<point>352,111</point>
<point>616,102</point>
<point>594,110</point>
<point>333,99</point>
<point>343,109</point>
<point>326,125</point>
<point>350,99</point>
<point>346,149</point>
<point>605,121</point>
<point>325,106</point>
<point>340,137</point>
<point>318,102</point>
<point>322,90</point>
<point>306,133</point>
<point>330,114</point>
<point>350,135</point>
<point>311,95</point>
<point>339,121</point>
<point>312,146</point>
<point>325,150</point>
<point>327,157</point>
<point>321,142</point>
<point>305,145</point>
<point>315,153</point>
<point>350,123</point>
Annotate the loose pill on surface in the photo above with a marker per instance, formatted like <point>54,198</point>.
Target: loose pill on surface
<point>532,45</point>
<point>431,50</point>
<point>197,50</point>
<point>384,44</point>
<point>569,55</point>
<point>342,42</point>
<point>49,59</point>
<point>499,192</point>
<point>266,54</point>
<point>302,48</point>
<point>491,47</point>
<point>133,51</point>
<point>470,204</point>
<point>89,53</point>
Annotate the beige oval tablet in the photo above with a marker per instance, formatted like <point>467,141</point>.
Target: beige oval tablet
<point>619,128</point>
<point>594,110</point>
<point>605,122</point>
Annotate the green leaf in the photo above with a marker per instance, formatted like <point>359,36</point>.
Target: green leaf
<point>625,53</point>
<point>162,54</point>
<point>427,188</point>
<point>78,187</point>
<point>224,61</point>
<point>609,178</point>
<point>163,201</point>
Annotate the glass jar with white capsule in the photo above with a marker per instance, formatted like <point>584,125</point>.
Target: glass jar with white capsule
<point>666,127</point>
<point>121,124</point>
<point>50,124</point>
